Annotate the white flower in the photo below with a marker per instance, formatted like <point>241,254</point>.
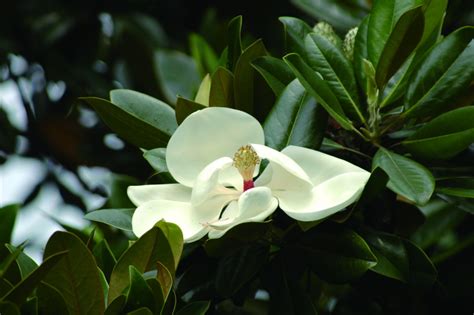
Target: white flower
<point>214,156</point>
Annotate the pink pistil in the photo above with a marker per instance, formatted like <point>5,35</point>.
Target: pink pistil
<point>248,184</point>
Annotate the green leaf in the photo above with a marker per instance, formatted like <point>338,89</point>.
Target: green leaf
<point>194,308</point>
<point>165,279</point>
<point>185,107</point>
<point>178,74</point>
<point>275,72</point>
<point>139,294</point>
<point>157,159</point>
<point>407,177</point>
<point>222,88</point>
<point>296,119</point>
<point>116,306</point>
<point>104,257</point>
<point>141,311</point>
<point>118,198</point>
<point>203,93</point>
<point>295,33</point>
<point>445,136</point>
<point>361,54</point>
<point>318,88</point>
<point>434,11</point>
<point>404,38</point>
<point>244,75</point>
<point>76,276</point>
<point>457,187</point>
<point>237,268</point>
<point>8,308</point>
<point>384,17</point>
<point>342,14</point>
<point>131,124</point>
<point>50,300</point>
<point>175,238</point>
<point>445,72</point>
<point>12,275</point>
<point>153,246</point>
<point>234,51</point>
<point>118,218</point>
<point>336,254</point>
<point>7,217</point>
<point>26,265</point>
<point>375,185</point>
<point>203,54</point>
<point>328,60</point>
<point>21,290</point>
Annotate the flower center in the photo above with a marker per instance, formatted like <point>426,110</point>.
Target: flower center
<point>245,161</point>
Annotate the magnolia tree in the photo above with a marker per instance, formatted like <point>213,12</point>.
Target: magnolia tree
<point>335,179</point>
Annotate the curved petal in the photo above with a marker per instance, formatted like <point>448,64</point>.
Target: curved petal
<point>282,173</point>
<point>254,205</point>
<point>180,213</point>
<point>207,135</point>
<point>319,166</point>
<point>325,199</point>
<point>144,193</point>
<point>207,183</point>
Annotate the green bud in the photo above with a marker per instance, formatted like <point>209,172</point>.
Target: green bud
<point>325,30</point>
<point>348,45</point>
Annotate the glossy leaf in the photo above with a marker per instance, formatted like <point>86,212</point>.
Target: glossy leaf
<point>222,88</point>
<point>202,95</point>
<point>157,159</point>
<point>26,265</point>
<point>116,306</point>
<point>407,177</point>
<point>445,72</point>
<point>361,53</point>
<point>50,300</point>
<point>434,12</point>
<point>244,75</point>
<point>337,255</point>
<point>325,58</point>
<point>139,294</point>
<point>104,257</point>
<point>118,218</point>
<point>275,71</point>
<point>131,124</point>
<point>375,185</point>
<point>203,54</point>
<point>318,88</point>
<point>76,276</point>
<point>457,187</point>
<point>194,308</point>
<point>7,217</point>
<point>234,50</point>
<point>165,279</point>
<point>22,290</point>
<point>445,136</point>
<point>403,40</point>
<point>295,33</point>
<point>185,107</point>
<point>296,119</point>
<point>9,308</point>
<point>178,74</point>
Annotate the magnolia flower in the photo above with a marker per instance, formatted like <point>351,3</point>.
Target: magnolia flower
<point>215,155</point>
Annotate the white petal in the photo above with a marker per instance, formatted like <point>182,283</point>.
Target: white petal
<point>319,166</point>
<point>179,213</point>
<point>207,183</point>
<point>282,173</point>
<point>144,193</point>
<point>325,199</point>
<point>254,205</point>
<point>207,135</point>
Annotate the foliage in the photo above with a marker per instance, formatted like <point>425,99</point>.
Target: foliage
<point>394,97</point>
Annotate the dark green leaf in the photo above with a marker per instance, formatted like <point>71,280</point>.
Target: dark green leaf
<point>318,88</point>
<point>407,177</point>
<point>239,267</point>
<point>118,218</point>
<point>127,124</point>
<point>194,308</point>
<point>141,311</point>
<point>178,74</point>
<point>7,217</point>
<point>234,51</point>
<point>117,305</point>
<point>118,198</point>
<point>76,276</point>
<point>244,75</point>
<point>8,308</point>
<point>222,88</point>
<point>404,38</point>
<point>24,262</point>
<point>203,54</point>
<point>104,257</point>
<point>165,279</point>
<point>445,136</point>
<point>337,254</point>
<point>328,60</point>
<point>12,274</point>
<point>434,12</point>
<point>295,33</point>
<point>342,14</point>
<point>50,300</point>
<point>275,71</point>
<point>361,54</point>
<point>21,290</point>
<point>376,184</point>
<point>296,119</point>
<point>457,187</point>
<point>139,294</point>
<point>157,159</point>
<point>445,72</point>
<point>185,107</point>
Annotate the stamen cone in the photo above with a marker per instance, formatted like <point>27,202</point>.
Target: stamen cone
<point>245,161</point>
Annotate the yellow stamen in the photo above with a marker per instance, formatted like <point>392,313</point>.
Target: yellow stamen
<point>245,160</point>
